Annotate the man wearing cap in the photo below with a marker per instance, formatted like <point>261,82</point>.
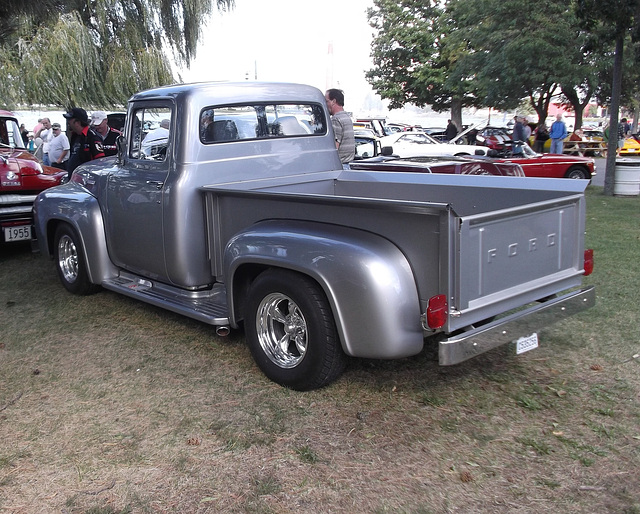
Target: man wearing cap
<point>86,145</point>
<point>109,135</point>
<point>59,148</point>
<point>46,134</point>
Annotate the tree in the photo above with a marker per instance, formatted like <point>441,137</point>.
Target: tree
<point>413,58</point>
<point>615,20</point>
<point>518,52</point>
<point>98,53</point>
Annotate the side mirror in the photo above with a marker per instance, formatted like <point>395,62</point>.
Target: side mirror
<point>121,144</point>
<point>387,151</point>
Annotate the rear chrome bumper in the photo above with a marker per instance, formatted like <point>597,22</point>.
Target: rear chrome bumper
<point>464,346</point>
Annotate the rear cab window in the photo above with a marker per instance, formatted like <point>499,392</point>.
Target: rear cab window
<point>219,124</point>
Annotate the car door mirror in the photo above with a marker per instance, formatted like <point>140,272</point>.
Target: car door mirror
<point>122,149</point>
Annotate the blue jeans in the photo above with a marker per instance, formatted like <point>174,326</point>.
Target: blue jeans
<point>556,146</point>
<point>45,159</point>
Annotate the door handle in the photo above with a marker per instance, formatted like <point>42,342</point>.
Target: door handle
<point>156,183</point>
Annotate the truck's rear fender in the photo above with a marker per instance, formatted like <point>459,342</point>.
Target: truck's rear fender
<point>367,280</point>
<point>73,205</point>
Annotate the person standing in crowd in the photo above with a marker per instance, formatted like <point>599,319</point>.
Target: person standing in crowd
<point>37,128</point>
<point>518,136</point>
<point>527,129</point>
<point>24,133</point>
<point>542,135</point>
<point>451,131</point>
<point>46,134</point>
<point>557,134</point>
<point>59,148</point>
<point>622,135</point>
<point>86,145</point>
<point>109,135</point>
<point>342,126</point>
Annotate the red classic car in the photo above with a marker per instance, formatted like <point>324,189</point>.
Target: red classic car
<point>22,177</point>
<point>552,165</point>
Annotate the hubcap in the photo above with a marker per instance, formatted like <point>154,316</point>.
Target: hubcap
<point>282,330</point>
<point>68,259</point>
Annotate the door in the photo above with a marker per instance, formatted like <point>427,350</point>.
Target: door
<point>136,192</point>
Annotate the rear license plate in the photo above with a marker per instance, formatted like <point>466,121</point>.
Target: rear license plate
<point>21,233</point>
<point>524,344</point>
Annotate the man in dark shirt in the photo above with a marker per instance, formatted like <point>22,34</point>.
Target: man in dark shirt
<point>85,144</point>
<point>109,135</point>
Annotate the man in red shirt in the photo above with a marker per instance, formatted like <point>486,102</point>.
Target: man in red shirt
<point>85,144</point>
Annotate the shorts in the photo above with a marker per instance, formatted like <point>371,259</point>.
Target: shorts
<point>620,143</point>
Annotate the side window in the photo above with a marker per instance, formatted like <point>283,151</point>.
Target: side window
<point>264,121</point>
<point>150,133</point>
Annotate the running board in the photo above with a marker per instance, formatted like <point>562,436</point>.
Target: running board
<point>208,306</point>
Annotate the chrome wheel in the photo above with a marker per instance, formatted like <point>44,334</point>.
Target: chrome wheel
<point>291,332</point>
<point>68,259</point>
<point>282,330</point>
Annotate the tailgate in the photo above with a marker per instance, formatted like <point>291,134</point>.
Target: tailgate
<point>511,257</point>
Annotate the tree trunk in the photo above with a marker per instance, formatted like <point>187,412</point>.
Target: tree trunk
<point>616,88</point>
<point>456,112</point>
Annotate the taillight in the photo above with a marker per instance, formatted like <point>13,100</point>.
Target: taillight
<point>588,262</point>
<point>437,311</point>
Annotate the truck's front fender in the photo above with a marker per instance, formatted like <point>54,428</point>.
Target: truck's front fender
<point>72,204</point>
<point>367,280</point>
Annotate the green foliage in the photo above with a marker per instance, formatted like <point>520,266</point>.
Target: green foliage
<point>95,54</point>
<point>496,53</point>
<point>518,52</point>
<point>413,57</point>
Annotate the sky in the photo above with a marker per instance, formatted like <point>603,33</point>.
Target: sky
<point>289,41</point>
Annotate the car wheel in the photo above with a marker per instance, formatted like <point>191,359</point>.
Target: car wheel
<point>70,263</point>
<point>291,331</point>
<point>577,172</point>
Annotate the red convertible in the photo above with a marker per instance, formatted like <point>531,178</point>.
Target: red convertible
<point>530,164</point>
<point>552,165</point>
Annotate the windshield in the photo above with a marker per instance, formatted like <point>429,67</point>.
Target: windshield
<point>10,133</point>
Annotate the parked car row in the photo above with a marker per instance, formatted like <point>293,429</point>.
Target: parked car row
<point>410,149</point>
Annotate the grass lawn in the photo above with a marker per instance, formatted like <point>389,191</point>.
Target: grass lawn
<point>112,406</point>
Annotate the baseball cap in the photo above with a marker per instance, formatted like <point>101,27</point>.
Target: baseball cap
<point>78,113</point>
<point>97,117</point>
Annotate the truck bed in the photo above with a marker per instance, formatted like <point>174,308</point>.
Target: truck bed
<point>488,243</point>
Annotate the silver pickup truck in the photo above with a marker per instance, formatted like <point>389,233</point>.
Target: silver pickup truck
<point>228,203</point>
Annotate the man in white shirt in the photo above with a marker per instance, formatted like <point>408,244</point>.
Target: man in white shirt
<point>59,148</point>
<point>46,134</point>
<point>156,141</point>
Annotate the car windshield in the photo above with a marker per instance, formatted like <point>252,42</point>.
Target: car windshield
<point>417,138</point>
<point>10,133</point>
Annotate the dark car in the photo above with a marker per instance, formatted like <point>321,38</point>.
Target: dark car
<point>116,120</point>
<point>449,165</point>
<point>22,177</point>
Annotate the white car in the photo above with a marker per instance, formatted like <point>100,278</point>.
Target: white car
<point>417,144</point>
